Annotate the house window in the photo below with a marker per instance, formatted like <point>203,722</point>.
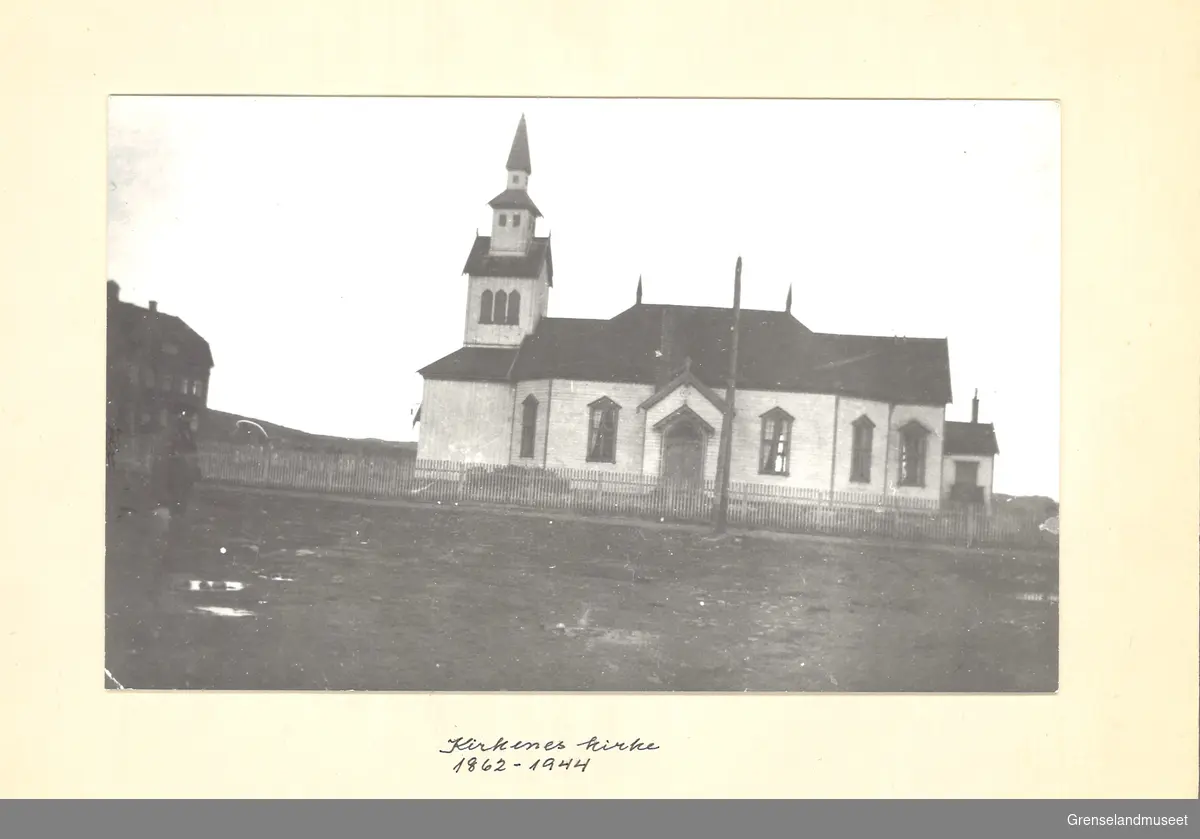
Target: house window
<point>775,454</point>
<point>485,307</point>
<point>514,307</point>
<point>602,431</point>
<point>860,455</point>
<point>185,385</point>
<point>503,220</point>
<point>200,389</point>
<point>913,438</point>
<point>500,309</point>
<point>528,425</point>
<point>516,219</point>
<point>516,179</point>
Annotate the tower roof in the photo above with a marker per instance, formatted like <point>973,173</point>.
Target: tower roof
<point>518,157</point>
<point>515,199</point>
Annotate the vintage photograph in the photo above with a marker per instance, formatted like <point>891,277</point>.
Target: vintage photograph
<point>614,395</point>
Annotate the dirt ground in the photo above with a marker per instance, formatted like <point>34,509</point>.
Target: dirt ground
<point>350,595</point>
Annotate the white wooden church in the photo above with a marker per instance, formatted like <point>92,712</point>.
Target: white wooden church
<point>642,391</point>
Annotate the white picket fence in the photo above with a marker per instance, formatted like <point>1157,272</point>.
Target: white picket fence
<point>591,491</point>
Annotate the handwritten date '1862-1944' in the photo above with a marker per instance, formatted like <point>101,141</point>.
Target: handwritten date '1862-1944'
<point>526,754</point>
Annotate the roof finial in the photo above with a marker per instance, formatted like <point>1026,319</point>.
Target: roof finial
<point>518,156</point>
<point>787,307</point>
<point>639,289</point>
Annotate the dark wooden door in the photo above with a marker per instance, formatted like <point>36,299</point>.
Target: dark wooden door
<point>683,454</point>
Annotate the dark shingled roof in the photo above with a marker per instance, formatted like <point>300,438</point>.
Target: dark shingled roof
<point>515,199</point>
<point>481,263</point>
<point>518,157</point>
<point>132,329</point>
<point>477,364</point>
<point>976,438</point>
<point>775,352</point>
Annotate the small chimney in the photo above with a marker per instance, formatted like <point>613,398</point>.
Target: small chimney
<point>975,408</point>
<point>114,292</point>
<point>153,305</point>
<point>666,347</point>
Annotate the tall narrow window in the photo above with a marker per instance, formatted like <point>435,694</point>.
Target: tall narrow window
<point>913,438</point>
<point>514,307</point>
<point>200,389</point>
<point>602,431</point>
<point>775,451</point>
<point>485,307</point>
<point>528,425</point>
<point>516,219</point>
<point>503,219</point>
<point>501,308</point>
<point>860,456</point>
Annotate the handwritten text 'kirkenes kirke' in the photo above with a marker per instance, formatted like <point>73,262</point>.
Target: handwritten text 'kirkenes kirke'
<point>592,744</point>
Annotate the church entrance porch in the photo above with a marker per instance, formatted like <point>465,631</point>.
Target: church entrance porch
<point>685,438</point>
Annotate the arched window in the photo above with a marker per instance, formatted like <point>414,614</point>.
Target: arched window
<point>775,449</point>
<point>913,449</point>
<point>860,453</point>
<point>528,425</point>
<point>485,307</point>
<point>602,431</point>
<point>501,307</point>
<point>514,307</point>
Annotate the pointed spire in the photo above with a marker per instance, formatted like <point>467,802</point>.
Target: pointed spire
<point>639,289</point>
<point>518,157</point>
<point>787,307</point>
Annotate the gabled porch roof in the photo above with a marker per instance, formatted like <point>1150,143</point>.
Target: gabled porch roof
<point>685,377</point>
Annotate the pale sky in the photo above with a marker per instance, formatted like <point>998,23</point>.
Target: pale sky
<point>318,243</point>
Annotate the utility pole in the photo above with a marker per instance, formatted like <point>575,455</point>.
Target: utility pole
<point>725,455</point>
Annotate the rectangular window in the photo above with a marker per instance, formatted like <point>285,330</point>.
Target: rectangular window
<point>503,220</point>
<point>860,457</point>
<point>602,432</point>
<point>966,473</point>
<point>516,219</point>
<point>185,386</point>
<point>775,452</point>
<point>516,179</point>
<point>528,426</point>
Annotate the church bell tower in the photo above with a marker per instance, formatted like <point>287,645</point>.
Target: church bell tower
<point>509,272</point>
